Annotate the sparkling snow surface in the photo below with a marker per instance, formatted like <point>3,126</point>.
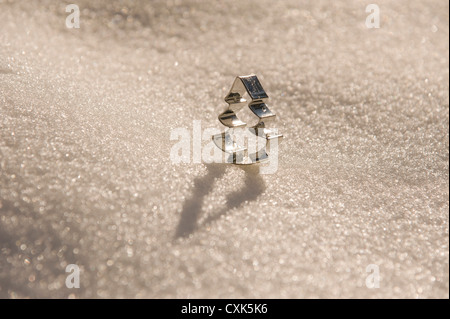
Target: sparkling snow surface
<point>86,178</point>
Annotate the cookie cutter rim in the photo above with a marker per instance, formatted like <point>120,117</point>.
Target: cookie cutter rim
<point>235,98</point>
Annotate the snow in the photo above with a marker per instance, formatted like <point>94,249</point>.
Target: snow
<point>86,178</point>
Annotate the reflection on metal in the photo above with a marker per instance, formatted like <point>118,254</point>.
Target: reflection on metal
<point>233,140</point>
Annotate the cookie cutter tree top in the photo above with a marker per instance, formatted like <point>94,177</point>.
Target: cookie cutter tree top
<point>250,85</point>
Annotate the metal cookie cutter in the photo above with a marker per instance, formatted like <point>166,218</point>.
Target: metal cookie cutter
<point>226,141</point>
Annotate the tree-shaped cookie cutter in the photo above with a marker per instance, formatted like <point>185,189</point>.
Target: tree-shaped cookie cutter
<point>239,153</point>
